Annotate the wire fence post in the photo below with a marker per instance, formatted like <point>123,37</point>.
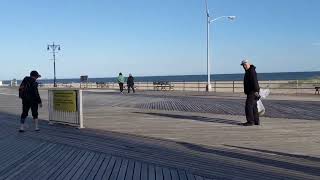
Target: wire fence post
<point>297,86</point>
<point>233,86</point>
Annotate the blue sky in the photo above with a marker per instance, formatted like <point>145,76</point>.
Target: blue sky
<point>100,38</point>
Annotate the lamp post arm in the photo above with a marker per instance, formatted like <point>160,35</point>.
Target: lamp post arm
<point>215,19</point>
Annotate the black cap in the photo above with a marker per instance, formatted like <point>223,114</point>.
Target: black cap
<point>35,74</point>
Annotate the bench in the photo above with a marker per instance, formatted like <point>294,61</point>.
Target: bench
<point>317,90</point>
<point>101,85</point>
<point>162,85</point>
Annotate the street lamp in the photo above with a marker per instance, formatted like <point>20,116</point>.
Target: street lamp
<point>54,47</point>
<point>211,20</point>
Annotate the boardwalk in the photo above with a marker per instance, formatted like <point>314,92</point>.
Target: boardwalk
<point>130,141</point>
<point>275,109</point>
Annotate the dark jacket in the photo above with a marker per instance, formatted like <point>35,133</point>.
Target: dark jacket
<point>130,81</point>
<point>31,90</point>
<point>250,81</point>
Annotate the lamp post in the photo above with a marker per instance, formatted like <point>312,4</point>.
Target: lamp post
<point>54,48</point>
<point>211,20</point>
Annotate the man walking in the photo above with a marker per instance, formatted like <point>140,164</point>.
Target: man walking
<point>251,89</point>
<point>28,92</point>
<point>120,80</point>
<point>130,83</point>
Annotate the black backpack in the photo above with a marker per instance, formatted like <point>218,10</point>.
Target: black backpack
<point>23,89</point>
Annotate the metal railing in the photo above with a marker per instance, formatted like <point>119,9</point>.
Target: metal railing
<point>290,87</point>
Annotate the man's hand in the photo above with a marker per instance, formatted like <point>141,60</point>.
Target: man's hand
<point>257,95</point>
<point>40,105</point>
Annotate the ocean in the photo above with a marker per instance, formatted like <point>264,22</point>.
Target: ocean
<point>200,78</point>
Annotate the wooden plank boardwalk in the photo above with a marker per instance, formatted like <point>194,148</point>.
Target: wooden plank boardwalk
<point>66,153</point>
<point>308,110</point>
<point>60,152</point>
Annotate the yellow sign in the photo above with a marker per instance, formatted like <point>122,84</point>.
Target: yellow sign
<point>65,100</point>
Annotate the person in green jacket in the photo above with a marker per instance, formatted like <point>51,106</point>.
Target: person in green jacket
<point>121,80</point>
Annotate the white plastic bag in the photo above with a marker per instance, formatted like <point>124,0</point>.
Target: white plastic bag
<point>264,93</point>
<point>261,109</point>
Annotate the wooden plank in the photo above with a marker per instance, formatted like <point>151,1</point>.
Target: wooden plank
<point>20,165</point>
<point>64,164</point>
<point>190,176</point>
<point>17,151</point>
<point>152,173</point>
<point>198,177</point>
<point>182,175</point>
<point>137,171</point>
<point>166,174</point>
<point>77,166</point>
<point>83,166</point>
<point>130,169</point>
<point>69,168</point>
<point>50,163</point>
<point>144,171</point>
<point>103,167</point>
<point>174,174</point>
<point>89,167</point>
<point>66,154</point>
<point>159,173</point>
<point>116,169</point>
<point>96,167</point>
<point>123,169</point>
<point>11,152</point>
<point>109,168</point>
<point>40,164</point>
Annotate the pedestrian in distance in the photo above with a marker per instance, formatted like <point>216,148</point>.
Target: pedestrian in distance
<point>130,83</point>
<point>29,94</point>
<point>121,80</point>
<point>251,89</point>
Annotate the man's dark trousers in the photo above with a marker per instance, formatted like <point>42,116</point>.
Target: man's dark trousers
<point>130,86</point>
<point>121,87</point>
<point>252,109</point>
<point>26,106</point>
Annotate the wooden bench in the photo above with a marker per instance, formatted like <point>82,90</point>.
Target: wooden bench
<point>101,85</point>
<point>162,85</point>
<point>317,90</point>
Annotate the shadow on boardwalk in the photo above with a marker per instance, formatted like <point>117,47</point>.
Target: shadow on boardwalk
<point>194,118</point>
<point>256,158</point>
<point>62,152</point>
<point>277,153</point>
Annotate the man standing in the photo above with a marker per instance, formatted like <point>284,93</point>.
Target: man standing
<point>130,83</point>
<point>251,89</point>
<point>28,92</point>
<point>120,80</point>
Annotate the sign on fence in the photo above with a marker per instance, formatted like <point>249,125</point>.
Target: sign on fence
<point>65,106</point>
<point>65,101</point>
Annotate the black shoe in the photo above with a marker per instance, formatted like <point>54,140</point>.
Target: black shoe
<point>257,124</point>
<point>20,130</point>
<point>247,124</point>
